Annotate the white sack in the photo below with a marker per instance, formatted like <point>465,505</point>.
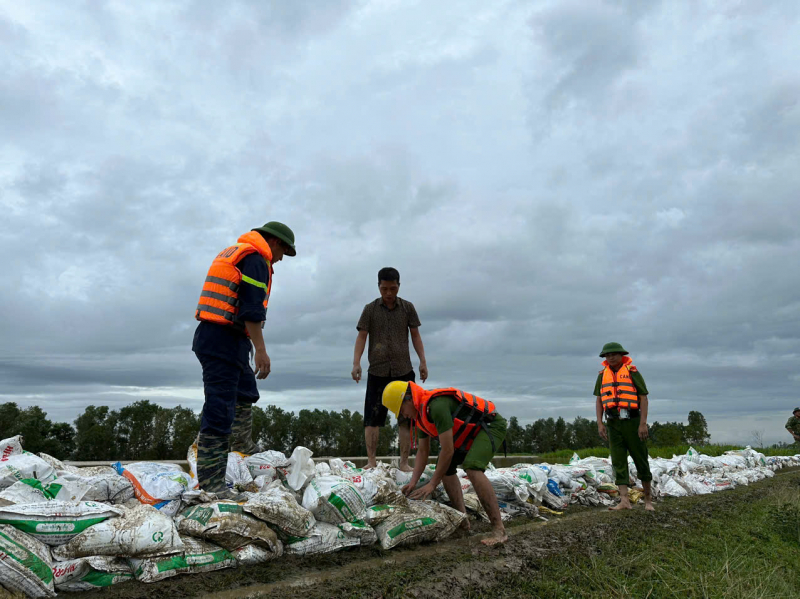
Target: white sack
<point>198,556</point>
<point>226,524</point>
<point>142,531</point>
<point>56,522</point>
<point>33,491</point>
<point>24,465</point>
<point>334,499</point>
<point>155,482</point>
<point>87,573</point>
<point>422,521</point>
<point>278,506</point>
<point>26,567</point>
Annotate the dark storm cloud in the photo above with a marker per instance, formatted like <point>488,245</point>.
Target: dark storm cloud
<point>545,178</point>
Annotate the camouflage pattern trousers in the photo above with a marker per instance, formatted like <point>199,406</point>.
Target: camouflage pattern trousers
<point>226,423</point>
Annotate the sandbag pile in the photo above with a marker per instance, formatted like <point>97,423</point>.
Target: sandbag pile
<point>64,528</point>
<point>590,481</point>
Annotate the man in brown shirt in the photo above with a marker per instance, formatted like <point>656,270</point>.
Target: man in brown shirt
<point>387,322</point>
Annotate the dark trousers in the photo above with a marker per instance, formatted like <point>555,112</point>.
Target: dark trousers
<point>374,410</point>
<point>623,438</point>
<point>224,383</point>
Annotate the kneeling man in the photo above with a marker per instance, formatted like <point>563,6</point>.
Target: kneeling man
<point>469,430</point>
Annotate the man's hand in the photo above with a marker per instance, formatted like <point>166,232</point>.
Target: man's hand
<point>423,492</point>
<point>423,372</point>
<point>601,429</point>
<point>262,364</point>
<point>409,488</point>
<point>356,373</point>
<point>643,432</point>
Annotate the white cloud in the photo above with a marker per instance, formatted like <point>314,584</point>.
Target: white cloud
<point>546,178</point>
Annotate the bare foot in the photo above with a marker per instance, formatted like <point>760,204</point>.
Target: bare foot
<point>622,505</point>
<point>498,537</point>
<point>648,505</point>
<point>370,465</point>
<point>465,525</point>
<point>405,468</point>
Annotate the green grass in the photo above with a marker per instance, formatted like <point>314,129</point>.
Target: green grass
<point>724,549</point>
<point>563,455</point>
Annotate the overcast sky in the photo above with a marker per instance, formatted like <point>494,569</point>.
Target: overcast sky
<point>546,176</point>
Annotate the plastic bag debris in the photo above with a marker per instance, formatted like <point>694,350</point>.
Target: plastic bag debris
<point>56,522</point>
<point>198,556</point>
<point>421,521</point>
<point>301,468</point>
<point>252,554</point>
<point>87,573</point>
<point>267,463</point>
<point>155,482</point>
<point>142,531</point>
<point>226,524</point>
<point>278,506</point>
<point>334,500</point>
<point>26,566</point>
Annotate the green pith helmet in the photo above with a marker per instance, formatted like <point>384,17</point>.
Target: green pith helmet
<point>613,348</point>
<point>282,232</point>
<point>795,410</point>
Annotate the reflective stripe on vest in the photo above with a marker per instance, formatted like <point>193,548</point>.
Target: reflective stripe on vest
<point>219,298</point>
<point>617,389</point>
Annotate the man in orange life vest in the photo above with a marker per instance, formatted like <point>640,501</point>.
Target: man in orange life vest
<point>232,310</point>
<point>469,430</point>
<point>622,395</point>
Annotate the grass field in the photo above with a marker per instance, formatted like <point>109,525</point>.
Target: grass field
<point>564,455</point>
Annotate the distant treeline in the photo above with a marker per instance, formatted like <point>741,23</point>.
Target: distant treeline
<point>147,431</point>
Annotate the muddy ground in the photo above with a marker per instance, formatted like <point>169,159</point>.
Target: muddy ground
<point>458,567</point>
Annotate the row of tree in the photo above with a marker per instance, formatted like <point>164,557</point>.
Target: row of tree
<point>147,431</point>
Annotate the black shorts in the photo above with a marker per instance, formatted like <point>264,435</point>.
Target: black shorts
<point>374,410</point>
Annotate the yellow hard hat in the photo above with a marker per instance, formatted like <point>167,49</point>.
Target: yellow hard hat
<point>393,395</point>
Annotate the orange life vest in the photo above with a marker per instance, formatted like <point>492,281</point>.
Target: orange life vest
<point>618,390</point>
<point>472,417</point>
<point>219,300</point>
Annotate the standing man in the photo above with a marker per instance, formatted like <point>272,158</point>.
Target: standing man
<point>793,425</point>
<point>622,396</point>
<point>387,322</point>
<point>232,310</point>
<point>469,430</point>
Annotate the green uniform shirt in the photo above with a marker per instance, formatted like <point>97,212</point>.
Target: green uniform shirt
<point>441,410</point>
<point>793,424</point>
<point>636,378</point>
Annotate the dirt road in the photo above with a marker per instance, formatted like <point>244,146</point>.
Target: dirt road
<point>461,566</point>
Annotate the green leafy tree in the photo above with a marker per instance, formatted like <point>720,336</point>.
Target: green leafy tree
<point>697,429</point>
<point>515,436</point>
<point>667,434</point>
<point>95,437</point>
<point>274,427</point>
<point>562,434</point>
<point>585,433</point>
<point>185,426</point>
